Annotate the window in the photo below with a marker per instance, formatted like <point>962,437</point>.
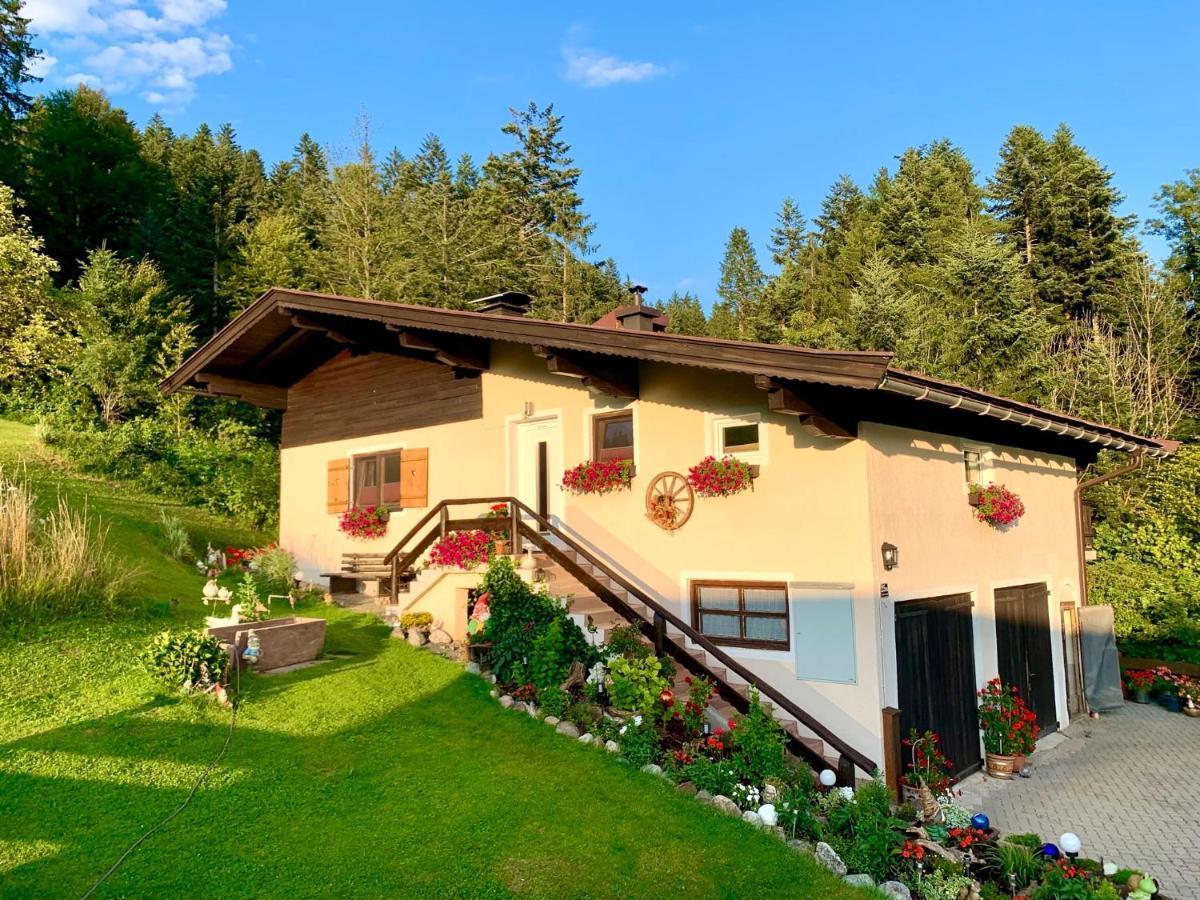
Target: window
<point>377,479</point>
<point>612,436</point>
<point>740,437</point>
<point>976,465</point>
<point>742,613</point>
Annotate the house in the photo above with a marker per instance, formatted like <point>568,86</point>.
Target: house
<point>854,577</point>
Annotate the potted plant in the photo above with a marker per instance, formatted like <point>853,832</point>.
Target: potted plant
<point>928,773</point>
<point>598,476</point>
<point>461,550</point>
<point>1189,693</point>
<point>1138,683</point>
<point>998,718</point>
<point>712,477</point>
<point>995,504</point>
<point>416,627</point>
<point>364,522</point>
<point>1166,688</point>
<point>502,537</point>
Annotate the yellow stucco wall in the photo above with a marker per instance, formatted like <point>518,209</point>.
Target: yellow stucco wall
<point>817,514</point>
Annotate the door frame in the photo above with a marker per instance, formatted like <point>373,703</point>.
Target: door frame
<point>555,500</point>
<point>1074,686</point>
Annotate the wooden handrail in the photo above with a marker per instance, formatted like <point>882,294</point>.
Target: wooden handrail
<point>654,627</point>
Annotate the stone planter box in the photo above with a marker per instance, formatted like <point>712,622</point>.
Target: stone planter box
<point>284,642</point>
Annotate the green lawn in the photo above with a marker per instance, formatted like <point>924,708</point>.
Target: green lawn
<point>383,772</point>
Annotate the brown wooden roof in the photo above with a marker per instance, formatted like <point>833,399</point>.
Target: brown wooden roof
<point>286,334</point>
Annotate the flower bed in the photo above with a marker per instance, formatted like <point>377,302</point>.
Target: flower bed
<point>996,505</point>
<point>461,550</point>
<point>364,522</point>
<point>598,476</point>
<point>712,477</point>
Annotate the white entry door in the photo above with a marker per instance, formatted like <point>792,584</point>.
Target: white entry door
<point>539,466</point>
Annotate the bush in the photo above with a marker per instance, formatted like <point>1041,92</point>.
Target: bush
<point>274,566</point>
<point>186,660</point>
<point>639,742</point>
<point>419,620</point>
<point>865,833</point>
<point>53,565</point>
<point>758,744</point>
<point>636,683</point>
<point>554,701</point>
<point>175,538</point>
<point>714,776</point>
<point>550,661</point>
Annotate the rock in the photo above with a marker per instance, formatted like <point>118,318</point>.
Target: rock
<point>704,796</point>
<point>472,668</point>
<point>416,637</point>
<point>800,846</point>
<point>770,793</point>
<point>725,805</point>
<point>686,787</point>
<point>520,706</point>
<point>828,857</point>
<point>506,701</point>
<point>859,879</point>
<point>570,729</point>
<point>440,636</point>
<point>779,832</point>
<point>532,709</point>
<point>652,769</point>
<point>551,720</point>
<point>750,817</point>
<point>493,693</point>
<point>491,677</point>
<point>897,890</point>
<point>585,738</point>
<point>612,746</point>
<point>769,816</point>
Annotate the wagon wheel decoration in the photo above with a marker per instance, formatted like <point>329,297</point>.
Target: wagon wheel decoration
<point>669,500</point>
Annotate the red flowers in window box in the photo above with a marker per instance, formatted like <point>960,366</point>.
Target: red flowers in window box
<point>713,477</point>
<point>461,550</point>
<point>364,522</point>
<point>598,476</point>
<point>996,505</point>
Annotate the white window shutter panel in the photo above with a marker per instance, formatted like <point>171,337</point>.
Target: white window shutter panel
<point>822,622</point>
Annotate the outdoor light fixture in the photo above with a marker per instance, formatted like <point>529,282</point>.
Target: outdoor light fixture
<point>828,778</point>
<point>1070,844</point>
<point>891,556</point>
<point>298,577</point>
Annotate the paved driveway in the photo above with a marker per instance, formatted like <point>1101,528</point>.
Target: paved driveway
<point>1128,784</point>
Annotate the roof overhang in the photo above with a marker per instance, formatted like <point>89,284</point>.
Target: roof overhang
<point>286,334</point>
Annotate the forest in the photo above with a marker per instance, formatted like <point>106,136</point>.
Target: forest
<point>124,247</point>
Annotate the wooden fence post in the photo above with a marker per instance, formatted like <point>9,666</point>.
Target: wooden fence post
<point>893,762</point>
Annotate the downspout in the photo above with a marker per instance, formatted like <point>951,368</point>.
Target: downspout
<point>1138,459</point>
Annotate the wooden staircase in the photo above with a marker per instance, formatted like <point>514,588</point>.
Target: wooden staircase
<point>604,599</point>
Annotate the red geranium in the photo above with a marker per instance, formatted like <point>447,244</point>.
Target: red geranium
<point>713,477</point>
<point>364,522</point>
<point>598,476</point>
<point>998,505</point>
<point>461,550</point>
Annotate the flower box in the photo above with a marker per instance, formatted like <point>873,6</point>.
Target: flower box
<point>712,477</point>
<point>365,522</point>
<point>598,476</point>
<point>462,550</point>
<point>996,505</point>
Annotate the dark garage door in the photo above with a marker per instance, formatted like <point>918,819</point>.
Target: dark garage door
<point>1023,645</point>
<point>935,663</point>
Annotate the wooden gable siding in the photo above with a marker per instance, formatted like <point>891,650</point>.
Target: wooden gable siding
<point>355,396</point>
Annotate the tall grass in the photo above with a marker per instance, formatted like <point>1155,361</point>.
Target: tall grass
<point>175,537</point>
<point>53,565</point>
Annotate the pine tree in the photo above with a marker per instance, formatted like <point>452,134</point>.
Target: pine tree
<point>741,283</point>
<point>16,53</point>
<point>685,315</point>
<point>1178,205</point>
<point>880,308</point>
<point>722,322</point>
<point>789,238</point>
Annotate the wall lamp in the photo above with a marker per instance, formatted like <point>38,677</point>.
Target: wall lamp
<point>891,556</point>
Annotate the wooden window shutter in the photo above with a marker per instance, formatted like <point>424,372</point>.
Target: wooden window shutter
<point>337,490</point>
<point>414,478</point>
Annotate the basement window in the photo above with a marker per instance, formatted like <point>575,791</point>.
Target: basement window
<point>742,613</point>
<point>377,479</point>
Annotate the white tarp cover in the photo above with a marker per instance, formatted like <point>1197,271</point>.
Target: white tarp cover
<point>1101,665</point>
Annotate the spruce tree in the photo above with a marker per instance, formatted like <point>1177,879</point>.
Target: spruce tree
<point>741,283</point>
<point>685,315</point>
<point>1178,206</point>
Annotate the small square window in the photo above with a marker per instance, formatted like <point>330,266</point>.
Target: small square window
<point>740,436</point>
<point>744,614</point>
<point>976,465</point>
<point>377,479</point>
<point>613,436</point>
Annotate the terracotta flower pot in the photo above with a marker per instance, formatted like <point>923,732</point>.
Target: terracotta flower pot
<point>1193,711</point>
<point>501,547</point>
<point>1000,766</point>
<point>1018,762</point>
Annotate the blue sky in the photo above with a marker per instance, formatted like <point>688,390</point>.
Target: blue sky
<point>687,120</point>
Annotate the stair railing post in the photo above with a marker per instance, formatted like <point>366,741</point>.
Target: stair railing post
<point>845,771</point>
<point>516,528</point>
<point>394,589</point>
<point>893,762</point>
<point>443,520</point>
<point>660,633</point>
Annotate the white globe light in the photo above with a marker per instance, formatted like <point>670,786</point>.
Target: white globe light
<point>298,575</point>
<point>828,777</point>
<point>1069,843</point>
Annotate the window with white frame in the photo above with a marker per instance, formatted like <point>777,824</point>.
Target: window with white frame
<point>743,437</point>
<point>977,465</point>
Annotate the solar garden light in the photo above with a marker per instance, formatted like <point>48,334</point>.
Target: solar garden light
<point>298,578</point>
<point>1070,844</point>
<point>828,779</point>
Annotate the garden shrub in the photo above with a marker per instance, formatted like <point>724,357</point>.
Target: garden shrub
<point>550,660</point>
<point>636,682</point>
<point>274,566</point>
<point>175,538</point>
<point>864,832</point>
<point>185,659</point>
<point>639,741</point>
<point>714,776</point>
<point>758,744</point>
<point>416,620</point>
<point>554,701</point>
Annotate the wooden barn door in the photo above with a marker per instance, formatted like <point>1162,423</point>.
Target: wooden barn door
<point>1023,644</point>
<point>935,662</point>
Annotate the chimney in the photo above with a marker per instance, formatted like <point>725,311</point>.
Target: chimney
<point>506,303</point>
<point>640,318</point>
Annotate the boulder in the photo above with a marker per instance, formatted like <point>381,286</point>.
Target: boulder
<point>779,833</point>
<point>416,637</point>
<point>704,796</point>
<point>725,805</point>
<point>585,738</point>
<point>612,746</point>
<point>750,817</point>
<point>551,720</point>
<point>652,769</point>
<point>897,890</point>
<point>440,636</point>
<point>570,729</point>
<point>801,846</point>
<point>520,706</point>
<point>493,693</point>
<point>506,701</point>
<point>859,879</point>
<point>686,787</point>
<point>472,668</point>
<point>828,857</point>
<point>769,816</point>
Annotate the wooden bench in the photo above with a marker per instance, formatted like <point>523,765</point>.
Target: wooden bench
<point>358,568</point>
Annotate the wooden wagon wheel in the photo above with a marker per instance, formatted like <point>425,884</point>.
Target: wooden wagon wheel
<point>669,500</point>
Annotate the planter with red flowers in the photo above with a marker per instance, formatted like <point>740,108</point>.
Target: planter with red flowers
<point>927,776</point>
<point>996,505</point>
<point>598,476</point>
<point>1009,729</point>
<point>712,477</point>
<point>501,537</point>
<point>364,522</point>
<point>462,550</point>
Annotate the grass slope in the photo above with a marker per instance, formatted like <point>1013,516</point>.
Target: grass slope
<point>383,772</point>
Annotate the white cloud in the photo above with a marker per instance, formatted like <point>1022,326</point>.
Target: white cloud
<point>592,68</point>
<point>157,48</point>
<point>40,66</point>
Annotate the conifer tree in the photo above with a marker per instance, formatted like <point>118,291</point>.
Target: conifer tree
<point>1178,205</point>
<point>741,283</point>
<point>685,315</point>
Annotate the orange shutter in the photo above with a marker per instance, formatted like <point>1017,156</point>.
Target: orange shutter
<point>337,491</point>
<point>414,478</point>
